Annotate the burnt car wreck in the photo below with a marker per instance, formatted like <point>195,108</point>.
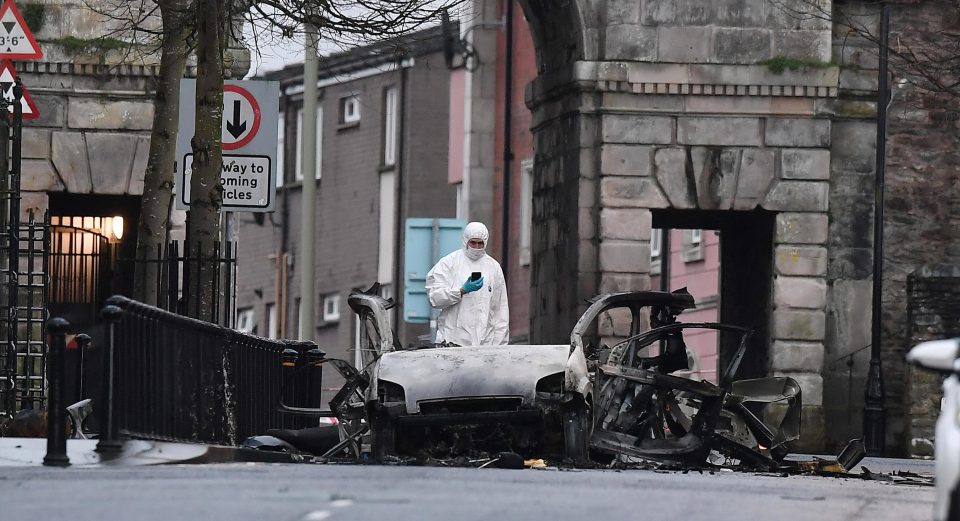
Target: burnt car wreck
<point>582,403</point>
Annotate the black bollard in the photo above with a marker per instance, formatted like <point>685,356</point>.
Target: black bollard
<point>83,343</point>
<point>109,430</point>
<point>56,413</point>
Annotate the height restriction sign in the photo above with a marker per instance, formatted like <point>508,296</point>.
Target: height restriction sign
<point>16,40</point>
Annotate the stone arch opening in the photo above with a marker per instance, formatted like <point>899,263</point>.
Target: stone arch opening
<point>744,275</point>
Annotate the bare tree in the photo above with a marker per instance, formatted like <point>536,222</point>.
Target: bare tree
<point>206,191</point>
<point>211,25</point>
<point>158,182</point>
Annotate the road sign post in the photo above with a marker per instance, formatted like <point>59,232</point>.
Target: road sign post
<point>249,140</point>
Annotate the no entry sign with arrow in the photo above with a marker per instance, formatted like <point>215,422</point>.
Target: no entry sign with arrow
<point>241,117</point>
<point>249,139</point>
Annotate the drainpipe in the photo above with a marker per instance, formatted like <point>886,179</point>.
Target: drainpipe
<point>507,138</point>
<point>874,415</point>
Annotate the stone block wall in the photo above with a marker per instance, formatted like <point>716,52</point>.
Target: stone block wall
<point>933,308</point>
<point>95,103</point>
<point>565,191</point>
<point>719,31</point>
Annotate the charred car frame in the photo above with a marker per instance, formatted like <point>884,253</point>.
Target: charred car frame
<point>580,401</point>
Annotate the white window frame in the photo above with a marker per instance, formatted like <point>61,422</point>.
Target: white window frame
<point>331,307</point>
<point>526,210</point>
<point>390,118</point>
<point>281,147</point>
<point>696,236</point>
<point>271,331</point>
<point>656,243</point>
<point>350,109</point>
<point>387,227</point>
<point>298,175</point>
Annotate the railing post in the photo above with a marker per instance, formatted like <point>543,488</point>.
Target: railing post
<point>109,435</point>
<point>83,343</point>
<point>315,386</point>
<point>56,421</point>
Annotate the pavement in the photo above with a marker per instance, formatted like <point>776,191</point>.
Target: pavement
<point>29,452</point>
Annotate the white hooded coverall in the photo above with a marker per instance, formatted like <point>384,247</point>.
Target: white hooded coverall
<point>481,317</point>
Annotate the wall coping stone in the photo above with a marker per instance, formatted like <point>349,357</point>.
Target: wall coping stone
<point>707,79</point>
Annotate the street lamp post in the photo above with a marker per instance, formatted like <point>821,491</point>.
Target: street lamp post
<point>874,415</point>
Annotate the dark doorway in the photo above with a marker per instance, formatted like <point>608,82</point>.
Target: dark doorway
<point>746,276</point>
<point>87,235</point>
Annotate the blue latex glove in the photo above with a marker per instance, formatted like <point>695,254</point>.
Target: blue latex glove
<point>472,285</point>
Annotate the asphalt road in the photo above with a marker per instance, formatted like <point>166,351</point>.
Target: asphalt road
<point>306,492</point>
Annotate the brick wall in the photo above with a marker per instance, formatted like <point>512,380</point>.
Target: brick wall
<point>933,308</point>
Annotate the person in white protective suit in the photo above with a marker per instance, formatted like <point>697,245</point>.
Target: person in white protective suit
<point>472,312</point>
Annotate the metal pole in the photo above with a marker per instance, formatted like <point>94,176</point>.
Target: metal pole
<point>306,265</point>
<point>665,259</point>
<point>874,416</point>
<point>83,343</point>
<point>507,138</point>
<point>56,422</point>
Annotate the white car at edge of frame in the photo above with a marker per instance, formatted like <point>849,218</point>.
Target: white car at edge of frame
<point>943,356</point>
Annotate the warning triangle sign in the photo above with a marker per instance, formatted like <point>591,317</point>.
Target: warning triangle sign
<point>8,77</point>
<point>16,40</point>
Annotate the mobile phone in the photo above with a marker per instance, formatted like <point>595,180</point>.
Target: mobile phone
<point>475,275</point>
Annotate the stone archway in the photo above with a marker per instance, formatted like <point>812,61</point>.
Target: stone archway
<point>662,105</point>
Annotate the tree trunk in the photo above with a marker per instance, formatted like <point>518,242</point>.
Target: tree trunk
<point>206,192</point>
<point>158,180</point>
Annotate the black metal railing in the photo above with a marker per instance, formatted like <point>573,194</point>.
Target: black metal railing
<point>178,378</point>
<point>177,272</point>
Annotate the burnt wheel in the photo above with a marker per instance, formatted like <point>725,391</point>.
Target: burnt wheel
<point>575,416</point>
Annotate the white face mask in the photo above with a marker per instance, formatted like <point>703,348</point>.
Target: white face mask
<point>475,253</point>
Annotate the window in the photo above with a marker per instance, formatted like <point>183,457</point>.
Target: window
<point>319,142</point>
<point>692,245</point>
<point>349,110</point>
<point>281,144</point>
<point>271,321</point>
<point>390,126</point>
<point>526,210</point>
<point>388,216</point>
<point>656,250</point>
<point>245,320</point>
<point>696,236</point>
<point>331,308</point>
